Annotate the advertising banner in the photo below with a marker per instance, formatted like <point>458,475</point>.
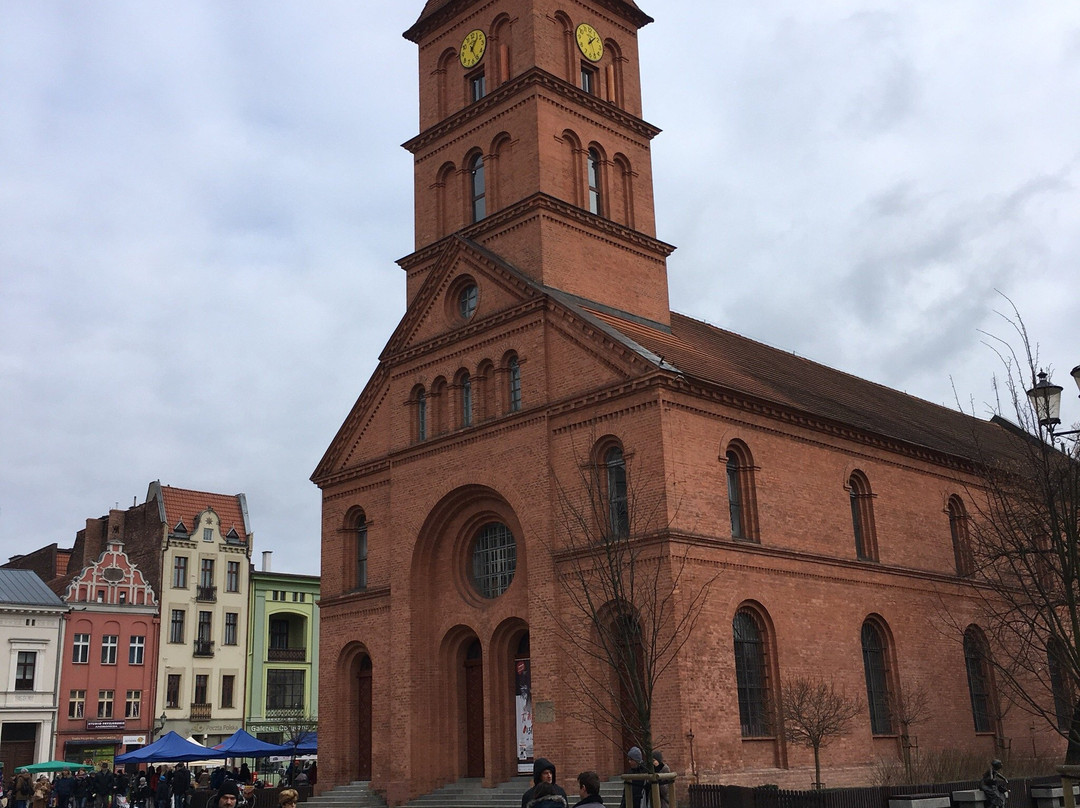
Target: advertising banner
<point>524,706</point>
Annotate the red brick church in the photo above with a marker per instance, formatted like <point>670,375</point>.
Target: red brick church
<point>538,340</point>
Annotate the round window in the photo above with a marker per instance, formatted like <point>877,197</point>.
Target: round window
<point>467,301</point>
<point>494,558</point>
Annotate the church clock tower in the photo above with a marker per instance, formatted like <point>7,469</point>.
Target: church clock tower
<point>532,146</point>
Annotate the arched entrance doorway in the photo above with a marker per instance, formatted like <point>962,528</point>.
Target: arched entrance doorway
<point>363,717</point>
<point>474,710</point>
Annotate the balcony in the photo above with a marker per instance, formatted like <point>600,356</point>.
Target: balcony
<point>206,594</point>
<point>287,655</point>
<point>200,712</point>
<point>204,648</point>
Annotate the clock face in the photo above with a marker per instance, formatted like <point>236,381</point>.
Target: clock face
<point>592,47</point>
<point>472,48</point>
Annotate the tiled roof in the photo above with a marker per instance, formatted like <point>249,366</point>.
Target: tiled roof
<point>184,505</point>
<point>25,588</point>
<point>725,359</point>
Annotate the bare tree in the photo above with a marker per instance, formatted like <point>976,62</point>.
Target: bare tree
<point>296,727</point>
<point>910,709</point>
<point>815,711</point>
<point>1023,563</point>
<point>632,603</point>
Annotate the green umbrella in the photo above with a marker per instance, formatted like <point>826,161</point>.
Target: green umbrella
<point>52,766</point>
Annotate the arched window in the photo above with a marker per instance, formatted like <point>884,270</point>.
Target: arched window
<point>477,187</point>
<point>751,674</point>
<point>514,384</point>
<point>976,659</point>
<point>615,477</point>
<point>466,400</point>
<point>494,559</point>
<point>875,666</point>
<point>361,551</point>
<point>958,529</point>
<point>485,390</point>
<point>742,510</point>
<point>595,195</point>
<point>862,516</point>
<point>421,414</point>
<point>437,407</point>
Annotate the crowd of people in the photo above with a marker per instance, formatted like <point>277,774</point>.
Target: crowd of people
<point>546,793</point>
<point>162,786</point>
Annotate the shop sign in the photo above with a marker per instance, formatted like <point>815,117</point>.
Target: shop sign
<point>139,740</point>
<point>105,724</point>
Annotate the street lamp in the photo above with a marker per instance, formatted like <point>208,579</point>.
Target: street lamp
<point>1045,397</point>
<point>158,727</point>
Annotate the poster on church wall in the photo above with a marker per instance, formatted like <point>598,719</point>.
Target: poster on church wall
<point>524,718</point>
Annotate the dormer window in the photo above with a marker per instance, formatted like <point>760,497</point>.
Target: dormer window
<point>208,534</point>
<point>180,529</point>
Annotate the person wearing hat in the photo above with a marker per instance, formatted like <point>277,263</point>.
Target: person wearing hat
<point>228,796</point>
<point>42,790</point>
<point>543,772</point>
<point>637,787</point>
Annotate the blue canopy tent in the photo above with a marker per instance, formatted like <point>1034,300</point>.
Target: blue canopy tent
<point>307,744</point>
<point>171,748</point>
<point>244,744</point>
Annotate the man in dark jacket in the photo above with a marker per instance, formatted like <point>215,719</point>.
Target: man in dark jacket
<point>180,785</point>
<point>103,786</point>
<point>543,772</point>
<point>63,788</point>
<point>589,786</point>
<point>637,787</point>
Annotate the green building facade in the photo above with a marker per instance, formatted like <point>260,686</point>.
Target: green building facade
<point>283,649</point>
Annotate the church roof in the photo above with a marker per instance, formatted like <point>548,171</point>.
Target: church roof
<point>712,355</point>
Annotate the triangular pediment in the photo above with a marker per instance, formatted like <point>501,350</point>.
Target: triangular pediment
<point>432,331</point>
<point>435,312</point>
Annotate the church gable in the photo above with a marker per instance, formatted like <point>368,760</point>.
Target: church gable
<point>465,286</point>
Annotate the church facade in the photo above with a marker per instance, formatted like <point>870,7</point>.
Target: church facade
<point>826,514</point>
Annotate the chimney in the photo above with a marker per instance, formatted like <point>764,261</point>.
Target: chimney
<point>266,560</point>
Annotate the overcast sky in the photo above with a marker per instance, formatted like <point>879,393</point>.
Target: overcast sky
<point>201,205</point>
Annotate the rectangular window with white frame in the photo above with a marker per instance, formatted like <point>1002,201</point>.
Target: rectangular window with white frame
<point>25,667</point>
<point>137,649</point>
<point>133,704</point>
<point>80,649</point>
<point>76,703</point>
<point>109,644</point>
<point>105,704</point>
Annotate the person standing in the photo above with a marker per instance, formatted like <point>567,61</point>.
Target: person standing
<point>80,795</point>
<point>42,791</point>
<point>638,788</point>
<point>589,786</point>
<point>103,786</point>
<point>23,790</point>
<point>64,787</point>
<point>180,785</point>
<point>543,772</point>
<point>659,767</point>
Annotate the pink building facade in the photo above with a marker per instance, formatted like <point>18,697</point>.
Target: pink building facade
<point>109,660</point>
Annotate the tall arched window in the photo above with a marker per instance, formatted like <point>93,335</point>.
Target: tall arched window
<point>862,516</point>
<point>742,510</point>
<point>958,529</point>
<point>477,187</point>
<point>466,400</point>
<point>361,551</point>
<point>595,195</point>
<point>751,674</point>
<point>875,666</point>
<point>421,415</point>
<point>976,659</point>
<point>615,476</point>
<point>514,382</point>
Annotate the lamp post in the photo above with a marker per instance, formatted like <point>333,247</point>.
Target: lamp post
<point>1045,398</point>
<point>158,727</point>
